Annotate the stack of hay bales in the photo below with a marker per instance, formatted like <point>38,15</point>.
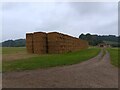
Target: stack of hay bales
<point>84,44</point>
<point>69,42</point>
<point>53,42</point>
<point>29,42</point>
<point>62,44</point>
<point>72,44</point>
<point>40,42</point>
<point>65,43</point>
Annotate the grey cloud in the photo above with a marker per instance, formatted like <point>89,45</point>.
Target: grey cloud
<point>94,8</point>
<point>111,28</point>
<point>70,18</point>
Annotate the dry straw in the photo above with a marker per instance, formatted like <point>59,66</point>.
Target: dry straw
<point>53,43</point>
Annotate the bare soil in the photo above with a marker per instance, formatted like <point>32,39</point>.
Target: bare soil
<point>94,73</point>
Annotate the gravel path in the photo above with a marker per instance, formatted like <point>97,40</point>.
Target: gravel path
<point>94,73</point>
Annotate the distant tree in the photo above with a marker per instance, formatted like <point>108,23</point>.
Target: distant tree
<point>95,39</point>
<point>8,43</point>
<point>20,42</point>
<point>14,43</point>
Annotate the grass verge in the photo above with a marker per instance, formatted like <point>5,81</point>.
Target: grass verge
<point>114,56</point>
<point>45,61</point>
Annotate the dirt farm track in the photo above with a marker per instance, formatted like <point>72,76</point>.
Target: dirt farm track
<point>94,73</point>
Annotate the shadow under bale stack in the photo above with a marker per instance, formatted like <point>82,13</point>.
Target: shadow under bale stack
<point>29,42</point>
<point>40,42</point>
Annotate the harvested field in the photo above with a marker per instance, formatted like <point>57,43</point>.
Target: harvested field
<point>13,50</point>
<point>15,53</point>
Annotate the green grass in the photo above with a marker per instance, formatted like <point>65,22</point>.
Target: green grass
<point>45,61</point>
<point>12,50</point>
<point>114,56</point>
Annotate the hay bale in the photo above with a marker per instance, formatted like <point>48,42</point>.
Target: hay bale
<point>29,42</point>
<point>53,42</point>
<point>40,42</point>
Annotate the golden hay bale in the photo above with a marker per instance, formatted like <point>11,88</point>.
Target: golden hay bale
<point>53,42</point>
<point>29,42</point>
<point>40,42</point>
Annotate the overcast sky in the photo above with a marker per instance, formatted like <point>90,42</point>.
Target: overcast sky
<point>67,17</point>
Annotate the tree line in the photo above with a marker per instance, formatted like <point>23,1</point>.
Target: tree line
<point>14,43</point>
<point>93,40</point>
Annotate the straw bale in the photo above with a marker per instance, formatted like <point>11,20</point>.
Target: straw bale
<point>29,42</point>
<point>40,42</point>
<point>53,42</point>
